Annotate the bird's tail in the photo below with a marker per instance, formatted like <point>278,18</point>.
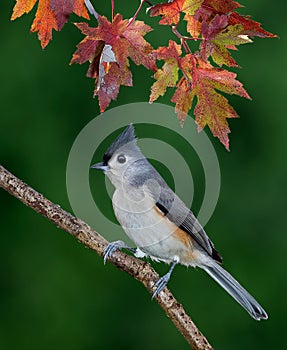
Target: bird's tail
<point>226,281</point>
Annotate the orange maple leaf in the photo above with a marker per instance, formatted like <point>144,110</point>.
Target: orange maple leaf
<point>44,22</point>
<point>21,7</point>
<point>51,14</point>
<point>170,11</point>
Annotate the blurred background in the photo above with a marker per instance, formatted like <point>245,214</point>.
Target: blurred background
<point>53,291</point>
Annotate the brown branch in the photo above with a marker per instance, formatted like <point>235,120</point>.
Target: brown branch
<point>140,270</point>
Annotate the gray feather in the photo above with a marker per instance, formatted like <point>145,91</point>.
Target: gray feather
<point>177,212</point>
<point>225,280</point>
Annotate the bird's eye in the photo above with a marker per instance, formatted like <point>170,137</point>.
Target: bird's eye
<point>121,159</point>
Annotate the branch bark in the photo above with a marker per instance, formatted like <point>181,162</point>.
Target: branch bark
<point>140,270</point>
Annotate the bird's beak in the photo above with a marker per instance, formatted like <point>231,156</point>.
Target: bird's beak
<point>100,166</point>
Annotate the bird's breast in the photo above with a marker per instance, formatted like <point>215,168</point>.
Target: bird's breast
<point>151,230</point>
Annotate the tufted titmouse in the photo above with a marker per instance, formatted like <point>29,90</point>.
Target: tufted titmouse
<point>159,223</point>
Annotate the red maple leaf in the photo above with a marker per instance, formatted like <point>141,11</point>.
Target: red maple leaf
<point>251,28</point>
<point>212,109</point>
<point>51,14</point>
<point>123,39</point>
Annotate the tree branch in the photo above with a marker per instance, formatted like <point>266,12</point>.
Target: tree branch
<point>140,270</point>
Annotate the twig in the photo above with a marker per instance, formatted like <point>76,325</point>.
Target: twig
<point>136,13</point>
<point>182,39</point>
<point>91,9</point>
<point>140,270</point>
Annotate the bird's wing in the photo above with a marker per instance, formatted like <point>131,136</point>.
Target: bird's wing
<point>177,212</point>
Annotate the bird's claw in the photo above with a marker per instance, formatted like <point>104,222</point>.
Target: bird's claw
<point>110,249</point>
<point>163,281</point>
<point>113,246</point>
<point>160,284</point>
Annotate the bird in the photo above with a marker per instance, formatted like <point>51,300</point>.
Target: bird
<point>162,227</point>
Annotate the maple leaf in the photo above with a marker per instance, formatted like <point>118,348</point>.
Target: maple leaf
<point>167,76</point>
<point>51,14</point>
<point>170,11</point>
<point>21,7</point>
<point>224,32</point>
<point>212,108</point>
<point>217,38</point>
<point>44,22</point>
<point>107,47</point>
<point>139,49</point>
<point>126,39</point>
<point>251,28</point>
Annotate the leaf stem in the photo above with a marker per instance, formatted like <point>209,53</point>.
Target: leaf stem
<point>182,39</point>
<point>137,11</point>
<point>113,9</point>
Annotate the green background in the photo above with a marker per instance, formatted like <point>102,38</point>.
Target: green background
<point>56,294</point>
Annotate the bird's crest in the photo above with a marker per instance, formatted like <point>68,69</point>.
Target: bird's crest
<point>127,136</point>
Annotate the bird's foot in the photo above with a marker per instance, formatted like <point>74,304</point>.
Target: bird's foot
<point>113,246</point>
<point>161,283</point>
